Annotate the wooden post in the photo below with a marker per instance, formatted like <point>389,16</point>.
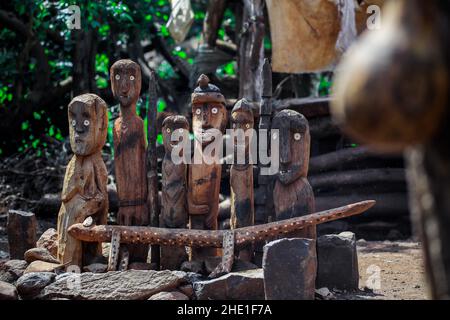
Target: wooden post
<point>241,174</point>
<point>209,114</point>
<point>152,163</point>
<point>130,152</point>
<point>21,227</point>
<point>84,191</point>
<point>174,212</point>
<point>293,195</point>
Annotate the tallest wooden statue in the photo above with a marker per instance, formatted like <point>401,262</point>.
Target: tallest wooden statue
<point>129,152</point>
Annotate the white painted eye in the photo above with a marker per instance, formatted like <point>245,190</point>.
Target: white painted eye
<point>214,110</point>
<point>131,78</point>
<point>274,136</point>
<point>297,136</point>
<point>247,125</point>
<point>181,130</point>
<point>86,122</point>
<point>73,123</point>
<point>117,77</point>
<point>198,111</point>
<point>168,130</point>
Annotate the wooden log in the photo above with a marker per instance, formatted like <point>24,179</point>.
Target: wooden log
<point>214,238</point>
<point>309,107</point>
<point>21,227</point>
<point>335,159</point>
<point>337,179</point>
<point>388,204</point>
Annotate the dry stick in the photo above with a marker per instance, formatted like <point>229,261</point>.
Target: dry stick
<point>214,238</point>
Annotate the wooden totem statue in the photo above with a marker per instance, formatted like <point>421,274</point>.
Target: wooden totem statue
<point>293,195</point>
<point>241,174</point>
<point>84,191</point>
<point>129,152</point>
<point>208,112</point>
<point>174,212</point>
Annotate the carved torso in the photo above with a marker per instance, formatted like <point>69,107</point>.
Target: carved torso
<point>130,170</point>
<point>241,182</point>
<point>174,207</point>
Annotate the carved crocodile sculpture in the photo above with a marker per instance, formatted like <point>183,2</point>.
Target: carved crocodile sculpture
<point>227,239</point>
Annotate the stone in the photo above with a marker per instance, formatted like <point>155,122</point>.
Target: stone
<point>31,284</point>
<point>195,266</point>
<point>238,265</point>
<point>49,241</point>
<point>8,291</point>
<point>244,285</point>
<point>188,290</point>
<point>172,295</point>
<point>96,268</point>
<point>113,285</point>
<point>290,267</point>
<point>324,294</point>
<point>21,227</point>
<point>337,262</point>
<point>40,254</point>
<point>42,266</point>
<point>4,255</point>
<point>12,270</point>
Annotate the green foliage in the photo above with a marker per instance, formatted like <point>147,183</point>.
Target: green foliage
<point>325,85</point>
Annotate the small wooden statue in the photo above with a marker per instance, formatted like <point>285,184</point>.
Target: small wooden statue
<point>84,191</point>
<point>208,112</point>
<point>293,195</point>
<point>174,212</point>
<point>241,175</point>
<point>130,152</point>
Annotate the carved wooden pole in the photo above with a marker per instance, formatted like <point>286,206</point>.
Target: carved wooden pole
<point>152,163</point>
<point>84,191</point>
<point>130,152</point>
<point>251,50</point>
<point>241,172</point>
<point>293,195</point>
<point>214,238</point>
<point>209,118</point>
<point>175,131</point>
<point>21,227</point>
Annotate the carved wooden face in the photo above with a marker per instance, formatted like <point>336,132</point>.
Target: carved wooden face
<point>294,142</point>
<point>207,116</point>
<point>243,120</point>
<point>126,82</point>
<point>170,125</point>
<point>88,122</point>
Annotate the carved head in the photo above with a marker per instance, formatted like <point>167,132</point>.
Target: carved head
<point>88,124</point>
<point>126,81</point>
<point>169,126</point>
<point>294,141</point>
<point>208,110</point>
<point>242,119</point>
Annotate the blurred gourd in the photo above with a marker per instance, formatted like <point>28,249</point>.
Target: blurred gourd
<point>391,87</point>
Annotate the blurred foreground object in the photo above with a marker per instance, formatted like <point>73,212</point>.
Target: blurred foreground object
<point>181,19</point>
<point>309,36</point>
<point>391,92</point>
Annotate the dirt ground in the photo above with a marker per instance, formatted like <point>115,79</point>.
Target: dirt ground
<point>389,270</point>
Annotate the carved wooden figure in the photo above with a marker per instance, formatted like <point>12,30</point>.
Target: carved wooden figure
<point>129,152</point>
<point>84,191</point>
<point>241,174</point>
<point>174,212</point>
<point>293,195</point>
<point>208,112</point>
